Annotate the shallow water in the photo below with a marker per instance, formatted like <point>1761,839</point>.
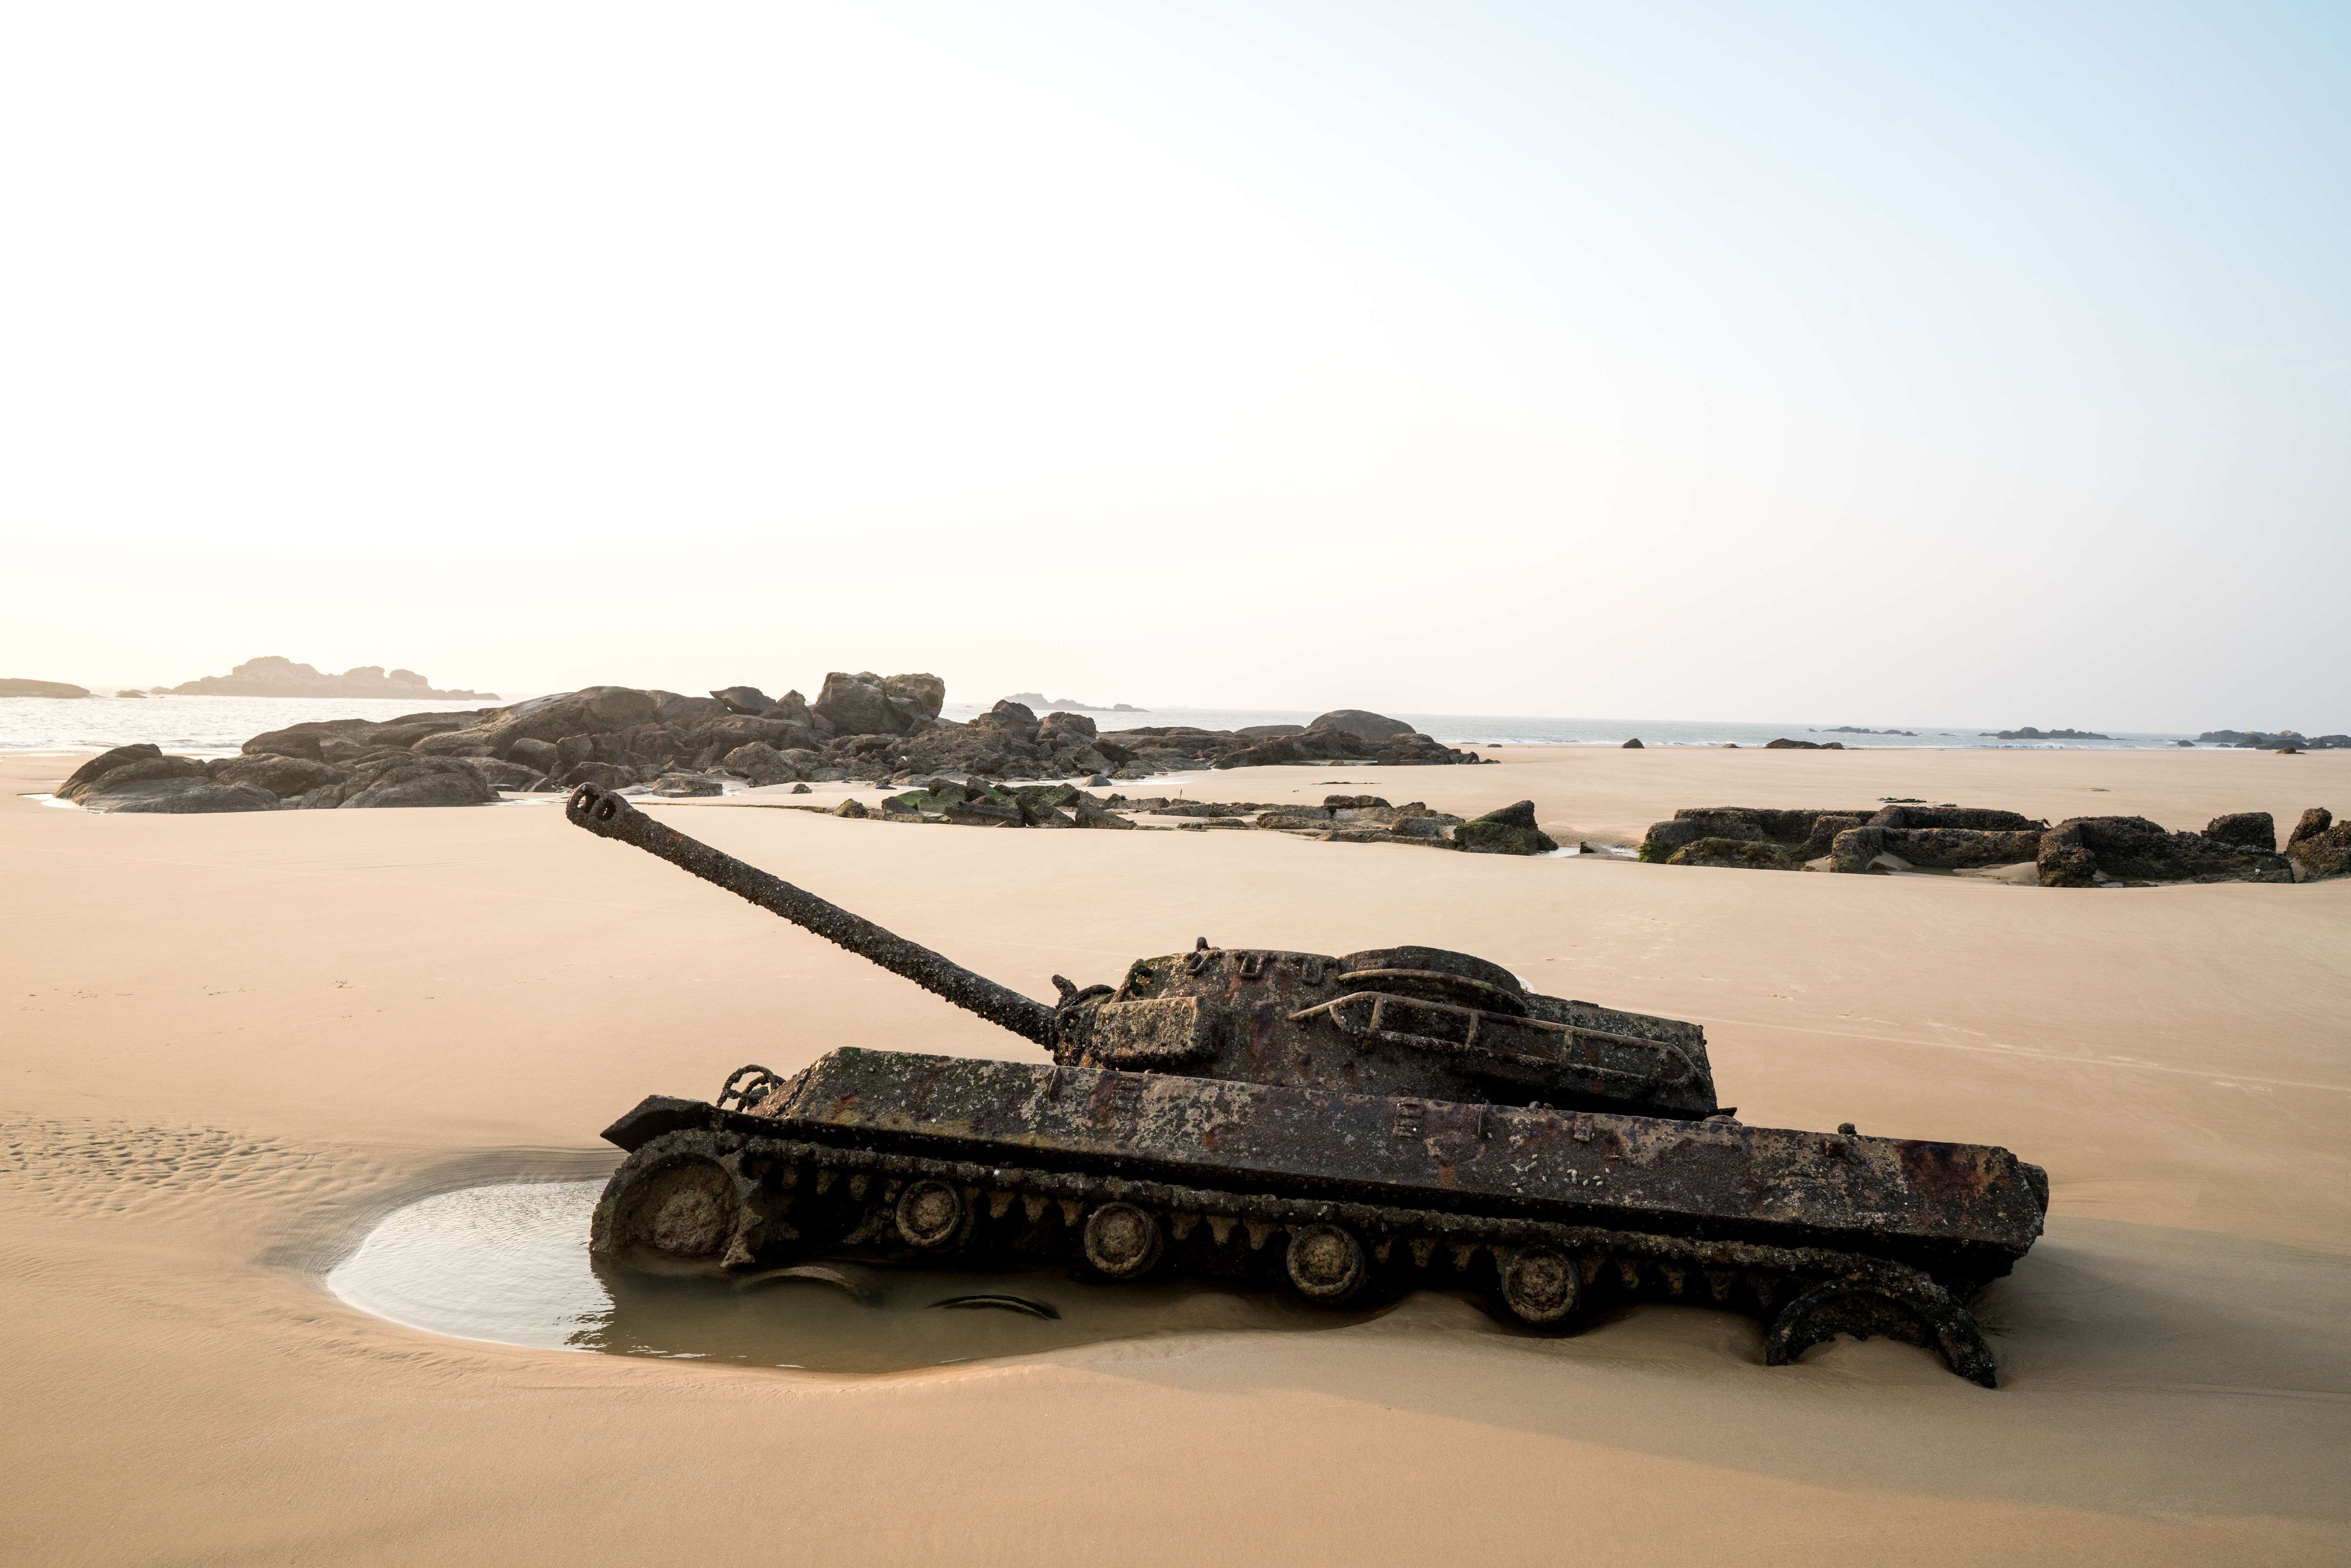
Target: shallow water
<point>181,723</point>
<point>223,724</point>
<point>509,1263</point>
<point>1499,730</point>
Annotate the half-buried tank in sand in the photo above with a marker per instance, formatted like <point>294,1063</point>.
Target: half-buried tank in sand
<point>1353,1127</point>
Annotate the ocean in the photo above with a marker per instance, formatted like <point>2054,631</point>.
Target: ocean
<point>223,724</point>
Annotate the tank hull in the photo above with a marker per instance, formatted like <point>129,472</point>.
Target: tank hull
<point>1816,1233</point>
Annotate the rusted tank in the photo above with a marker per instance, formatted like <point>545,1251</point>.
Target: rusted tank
<point>1354,1126</point>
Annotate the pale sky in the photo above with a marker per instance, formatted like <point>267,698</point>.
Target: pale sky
<point>1862,363</point>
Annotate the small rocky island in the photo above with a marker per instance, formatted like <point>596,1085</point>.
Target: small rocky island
<point>271,677</point>
<point>15,688</point>
<point>861,727</point>
<point>1068,705</point>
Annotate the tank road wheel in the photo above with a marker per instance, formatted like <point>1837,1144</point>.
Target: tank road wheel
<point>930,1214</point>
<point>1326,1263</point>
<point>684,1207</point>
<point>1914,1309</point>
<point>1541,1285</point>
<point>1121,1241</point>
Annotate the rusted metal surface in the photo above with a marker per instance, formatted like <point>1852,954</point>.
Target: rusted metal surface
<point>803,1199</point>
<point>1466,1032</point>
<point>1373,1122</point>
<point>1957,1211</point>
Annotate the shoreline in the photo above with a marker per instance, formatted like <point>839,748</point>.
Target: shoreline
<point>34,724</point>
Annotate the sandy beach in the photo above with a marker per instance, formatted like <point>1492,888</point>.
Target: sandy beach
<point>233,1043</point>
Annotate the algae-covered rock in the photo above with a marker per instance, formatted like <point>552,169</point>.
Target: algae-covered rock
<point>1745,854</point>
<point>1509,831</point>
<point>2320,847</point>
<point>2082,851</point>
<point>987,811</point>
<point>2247,829</point>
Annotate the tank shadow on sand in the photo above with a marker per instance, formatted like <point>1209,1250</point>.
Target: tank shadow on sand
<point>2114,1340</point>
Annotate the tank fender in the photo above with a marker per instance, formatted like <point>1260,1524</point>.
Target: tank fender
<point>654,1116</point>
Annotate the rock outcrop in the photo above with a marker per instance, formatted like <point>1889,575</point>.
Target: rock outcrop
<point>749,700</point>
<point>1371,728</point>
<point>1934,848</point>
<point>861,705</point>
<point>2320,847</point>
<point>272,676</point>
<point>281,776</point>
<point>1798,830</point>
<point>2246,830</point>
<point>140,779</point>
<point>1509,831</point>
<point>1745,854</point>
<point>862,728</point>
<point>2083,851</point>
<point>922,695</point>
<point>2274,740</point>
<point>17,688</point>
<point>105,762</point>
<point>1940,838</point>
<point>1784,744</point>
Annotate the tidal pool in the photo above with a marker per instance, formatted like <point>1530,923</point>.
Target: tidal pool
<point>509,1262</point>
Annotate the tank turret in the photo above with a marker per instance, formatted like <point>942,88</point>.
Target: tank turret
<point>1420,1021</point>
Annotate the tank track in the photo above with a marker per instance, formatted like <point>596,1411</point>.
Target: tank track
<point>749,1200</point>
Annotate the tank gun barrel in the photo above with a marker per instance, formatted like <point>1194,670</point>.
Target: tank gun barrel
<point>602,812</point>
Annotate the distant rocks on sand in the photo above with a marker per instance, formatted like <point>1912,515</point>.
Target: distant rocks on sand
<point>2029,733</point>
<point>272,676</point>
<point>2277,740</point>
<point>2081,851</point>
<point>862,728</point>
<point>1344,734</point>
<point>977,802</point>
<point>1784,744</point>
<point>41,689</point>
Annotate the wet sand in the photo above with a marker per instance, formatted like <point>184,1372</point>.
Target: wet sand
<point>231,1043</point>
